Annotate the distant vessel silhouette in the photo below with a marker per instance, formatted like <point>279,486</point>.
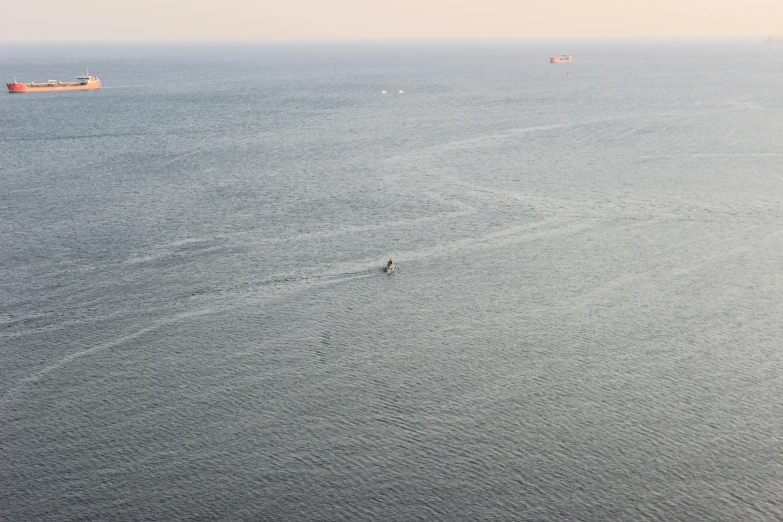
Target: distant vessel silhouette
<point>83,83</point>
<point>563,58</point>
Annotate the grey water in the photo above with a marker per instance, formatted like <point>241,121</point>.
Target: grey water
<point>585,323</point>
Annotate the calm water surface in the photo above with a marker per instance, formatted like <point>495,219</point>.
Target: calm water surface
<point>586,322</point>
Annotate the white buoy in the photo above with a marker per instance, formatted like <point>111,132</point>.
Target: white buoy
<point>400,92</point>
<point>384,92</point>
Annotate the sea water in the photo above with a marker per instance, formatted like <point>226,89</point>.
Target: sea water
<point>585,323</point>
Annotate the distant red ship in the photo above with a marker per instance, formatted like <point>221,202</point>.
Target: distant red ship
<point>563,58</point>
<point>775,40</point>
<point>82,83</point>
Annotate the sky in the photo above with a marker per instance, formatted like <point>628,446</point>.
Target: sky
<point>264,20</point>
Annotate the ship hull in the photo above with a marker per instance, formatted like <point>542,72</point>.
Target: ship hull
<point>21,88</point>
<point>558,60</point>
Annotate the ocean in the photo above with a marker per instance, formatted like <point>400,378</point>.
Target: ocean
<point>585,323</point>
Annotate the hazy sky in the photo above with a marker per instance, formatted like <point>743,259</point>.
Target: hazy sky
<point>26,20</point>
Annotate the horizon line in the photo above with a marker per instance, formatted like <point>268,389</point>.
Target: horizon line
<point>400,40</point>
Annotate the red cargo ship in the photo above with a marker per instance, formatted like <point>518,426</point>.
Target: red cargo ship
<point>82,83</point>
<point>775,40</point>
<point>563,58</point>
